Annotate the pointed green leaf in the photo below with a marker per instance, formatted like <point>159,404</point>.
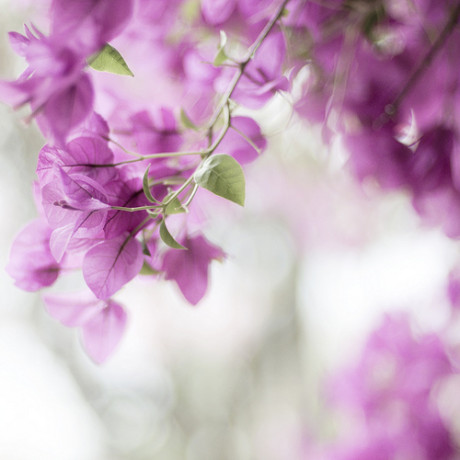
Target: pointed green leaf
<point>145,249</point>
<point>222,175</point>
<point>168,238</point>
<point>191,10</point>
<point>186,121</point>
<point>221,55</point>
<point>175,207</point>
<point>146,186</point>
<point>110,60</point>
<point>223,39</point>
<point>220,58</point>
<point>148,270</point>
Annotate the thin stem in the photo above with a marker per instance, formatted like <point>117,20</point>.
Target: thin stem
<point>190,198</point>
<point>222,134</point>
<point>135,160</point>
<point>139,208</point>
<point>391,109</point>
<point>205,155</point>
<point>146,157</point>
<point>223,105</point>
<point>246,138</point>
<point>242,66</point>
<point>139,227</point>
<point>178,191</point>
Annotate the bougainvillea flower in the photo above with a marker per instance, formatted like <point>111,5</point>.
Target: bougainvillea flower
<point>263,76</point>
<point>157,135</point>
<point>101,322</point>
<point>31,263</point>
<point>217,11</point>
<point>109,265</point>
<point>59,93</point>
<point>189,267</point>
<point>88,24</point>
<point>243,140</point>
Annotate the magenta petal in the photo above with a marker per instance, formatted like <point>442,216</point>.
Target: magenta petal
<point>48,158</point>
<point>31,264</point>
<point>89,150</point>
<point>189,269</point>
<point>111,264</point>
<point>236,144</point>
<point>60,239</point>
<point>19,43</point>
<point>73,309</point>
<point>90,23</point>
<point>104,331</point>
<point>67,109</point>
<point>94,126</point>
<point>217,11</point>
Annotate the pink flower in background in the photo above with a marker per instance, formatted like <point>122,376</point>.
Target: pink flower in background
<point>243,140</point>
<point>86,25</point>
<point>393,388</point>
<point>59,93</point>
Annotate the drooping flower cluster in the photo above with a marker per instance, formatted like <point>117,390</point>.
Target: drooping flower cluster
<point>114,171</point>
<point>125,156</point>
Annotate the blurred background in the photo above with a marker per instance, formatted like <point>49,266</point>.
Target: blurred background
<point>313,261</point>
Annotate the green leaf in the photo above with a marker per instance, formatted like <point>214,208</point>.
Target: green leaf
<point>284,13</point>
<point>221,55</point>
<point>175,207</point>
<point>220,58</point>
<point>146,187</point>
<point>185,120</point>
<point>148,270</point>
<point>223,176</point>
<point>223,39</point>
<point>145,249</point>
<point>168,238</point>
<point>191,10</point>
<point>110,60</point>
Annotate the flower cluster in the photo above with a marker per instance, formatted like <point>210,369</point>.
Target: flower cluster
<point>126,156</point>
<point>384,76</point>
<point>390,397</point>
<point>121,169</point>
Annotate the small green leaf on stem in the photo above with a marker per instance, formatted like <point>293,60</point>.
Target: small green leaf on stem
<point>222,175</point>
<point>221,55</point>
<point>175,207</point>
<point>148,270</point>
<point>146,186</point>
<point>186,121</point>
<point>110,60</point>
<point>145,249</point>
<point>168,238</point>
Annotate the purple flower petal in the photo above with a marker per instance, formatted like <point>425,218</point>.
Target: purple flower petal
<point>157,135</point>
<point>217,11</point>
<point>104,331</point>
<point>189,269</point>
<point>67,109</point>
<point>19,43</point>
<point>73,309</point>
<point>31,264</point>
<point>89,23</point>
<point>236,145</point>
<point>111,264</point>
<point>90,150</point>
